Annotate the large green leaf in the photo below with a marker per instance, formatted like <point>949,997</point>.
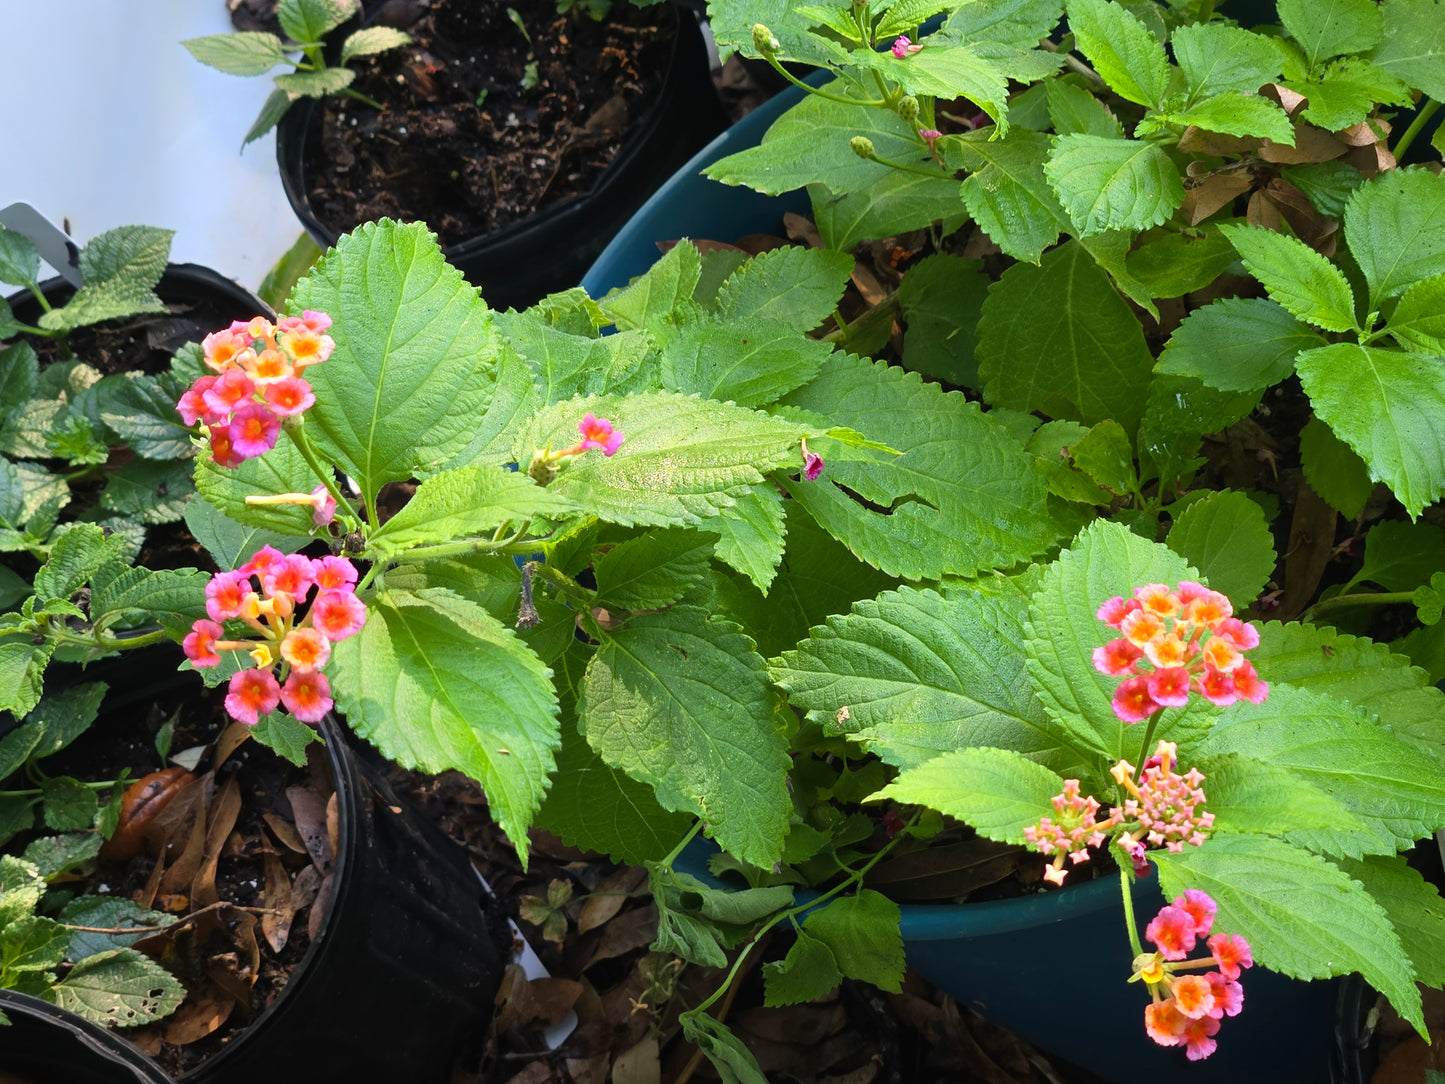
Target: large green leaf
<point>142,412</point>
<point>946,70</point>
<point>1413,45</point>
<point>467,502</point>
<point>1359,672</point>
<point>1006,191</point>
<point>962,497</point>
<point>681,701</point>
<point>1387,406</point>
<point>862,932</point>
<point>1400,556</point>
<point>652,570</point>
<point>893,204</point>
<point>1296,276</point>
<point>996,792</point>
<point>683,459</point>
<point>1231,113</point>
<point>121,988</point>
<point>793,284</point>
<point>1333,470</point>
<point>1326,28</point>
<point>1395,224</point>
<point>1122,50</point>
<point>1105,560</point>
<point>913,674</point>
<point>1415,908</point>
<point>1225,536</point>
<point>1418,321</point>
<point>409,375</point>
<point>436,682</point>
<point>751,534</point>
<point>942,296</point>
<point>1392,787</point>
<point>245,52</point>
<point>1216,58</point>
<point>232,544</point>
<point>135,254</point>
<point>1087,362</point>
<point>1105,183</point>
<point>751,361</point>
<point>1237,344</point>
<point>564,365</point>
<point>594,806</point>
<point>1301,915</point>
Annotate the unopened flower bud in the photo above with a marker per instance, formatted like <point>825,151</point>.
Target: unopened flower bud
<point>862,146</point>
<point>763,40</point>
<point>908,108</point>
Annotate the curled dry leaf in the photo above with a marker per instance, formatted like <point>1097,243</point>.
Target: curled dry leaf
<point>609,896</point>
<point>139,806</point>
<point>309,811</point>
<point>277,897</point>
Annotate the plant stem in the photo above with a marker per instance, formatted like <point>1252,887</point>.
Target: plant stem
<point>777,65</point>
<point>1126,883</point>
<point>1148,736</point>
<point>297,433</point>
<point>1421,119</point>
<point>35,792</point>
<point>564,583</point>
<point>682,844</point>
<point>223,905</point>
<point>1364,598</point>
<point>360,97</point>
<point>461,549</point>
<point>907,168</point>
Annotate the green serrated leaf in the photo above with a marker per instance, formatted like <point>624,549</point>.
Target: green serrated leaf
<point>1326,28</point>
<point>1418,322</point>
<point>1237,344</point>
<point>862,933</point>
<point>312,20</point>
<point>896,202</point>
<point>436,682</point>
<point>1225,536</point>
<point>748,361</point>
<point>565,364</point>
<point>1400,556</point>
<point>1296,276</point>
<point>962,497</point>
<point>464,503</point>
<point>106,299</point>
<point>1006,191</point>
<point>372,40</point>
<point>135,254</point>
<point>65,714</point>
<point>1301,915</point>
<point>414,348</point>
<point>22,670</point>
<point>1073,110</point>
<point>1386,406</point>
<point>1347,92</point>
<point>1105,183</point>
<point>108,912</point>
<point>240,53</point>
<point>654,299</point>
<point>1089,363</point>
<point>950,69</point>
<point>52,855</point>
<point>680,700</point>
<point>795,285</point>
<point>22,884</point>
<point>1395,224</point>
<point>150,491</point>
<point>751,534</point>
<point>1251,796</point>
<point>1327,185</point>
<point>1333,470</point>
<point>1121,49</point>
<point>232,544</point>
<point>806,973</point>
<point>683,459</point>
<point>68,805</point>
<point>1412,46</point>
<point>272,110</point>
<point>1414,907</point>
<point>913,674</point>
<point>285,735</point>
<point>1105,455</point>
<point>996,792</point>
<point>1235,113</point>
<point>141,410</point>
<point>281,470</point>
<point>1217,58</point>
<point>76,556</point>
<point>19,259</point>
<point>1174,264</point>
<point>122,988</point>
<point>942,297</point>
<point>653,570</point>
<point>1386,783</point>
<point>732,1060</point>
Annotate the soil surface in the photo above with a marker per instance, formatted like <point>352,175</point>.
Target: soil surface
<point>496,110</point>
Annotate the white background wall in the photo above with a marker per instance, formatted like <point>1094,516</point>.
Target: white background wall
<point>109,121</point>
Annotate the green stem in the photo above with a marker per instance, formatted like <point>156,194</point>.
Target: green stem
<point>297,433</point>
<point>1364,598</point>
<point>464,549</point>
<point>777,65</point>
<point>106,642</point>
<point>1421,119</point>
<point>907,168</point>
<point>36,792</point>
<point>682,844</point>
<point>854,878</point>
<point>1149,728</point>
<point>1126,883</point>
<point>360,97</point>
<point>564,583</point>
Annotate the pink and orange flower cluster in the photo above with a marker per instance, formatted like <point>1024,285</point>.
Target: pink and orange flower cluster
<point>1076,829</point>
<point>266,593</point>
<point>1185,1009</point>
<point>1174,643</point>
<point>258,382</point>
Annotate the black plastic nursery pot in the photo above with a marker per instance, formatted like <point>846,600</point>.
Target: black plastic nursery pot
<point>551,248</point>
<point>48,1045</point>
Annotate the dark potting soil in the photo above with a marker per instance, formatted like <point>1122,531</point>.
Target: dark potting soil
<point>486,121</point>
<point>254,845</point>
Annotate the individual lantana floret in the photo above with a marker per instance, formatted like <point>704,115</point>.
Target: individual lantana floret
<point>258,382</point>
<point>1185,1009</point>
<point>812,463</point>
<point>1175,642</point>
<point>1076,829</point>
<point>903,46</point>
<point>267,594</point>
<point>598,434</point>
<point>1165,809</point>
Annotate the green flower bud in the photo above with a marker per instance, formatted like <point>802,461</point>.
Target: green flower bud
<point>908,108</point>
<point>763,40</point>
<point>862,146</point>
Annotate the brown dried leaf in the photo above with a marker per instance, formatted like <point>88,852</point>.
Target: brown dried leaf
<point>802,228</point>
<point>1262,212</point>
<point>639,1064</point>
<point>1311,227</point>
<point>304,888</point>
<point>1366,133</point>
<point>285,832</point>
<point>319,906</point>
<point>1198,141</point>
<point>511,999</point>
<point>1291,101</point>
<point>548,1000</point>
<point>1311,540</point>
<point>1371,160</point>
<point>333,824</point>
<point>945,872</point>
<point>868,285</point>
<point>591,1070</point>
<point>309,812</point>
<point>195,1020</point>
<point>1311,144</point>
<point>626,933</point>
<point>184,834</point>
<point>800,1024</point>
<point>276,928</point>
<point>227,742</point>
<point>609,896</point>
<point>221,819</point>
<point>1214,192</point>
